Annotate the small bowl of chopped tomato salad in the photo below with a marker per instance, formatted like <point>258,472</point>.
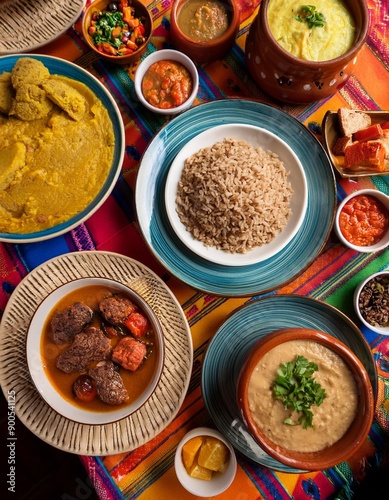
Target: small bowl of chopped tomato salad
<point>118,31</point>
<point>166,82</point>
<point>362,221</point>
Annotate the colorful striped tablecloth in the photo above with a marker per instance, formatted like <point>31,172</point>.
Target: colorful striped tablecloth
<point>148,472</point>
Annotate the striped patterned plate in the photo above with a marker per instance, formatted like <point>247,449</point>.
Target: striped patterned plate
<point>128,433</point>
<point>29,24</point>
<point>231,344</point>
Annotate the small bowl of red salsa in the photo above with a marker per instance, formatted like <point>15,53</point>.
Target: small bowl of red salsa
<point>166,82</point>
<point>362,221</point>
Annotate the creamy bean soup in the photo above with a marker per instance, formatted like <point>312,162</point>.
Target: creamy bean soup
<point>331,418</point>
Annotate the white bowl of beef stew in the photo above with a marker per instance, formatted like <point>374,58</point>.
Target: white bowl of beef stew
<point>95,350</point>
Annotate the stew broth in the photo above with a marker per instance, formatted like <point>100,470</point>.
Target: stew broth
<point>135,382</point>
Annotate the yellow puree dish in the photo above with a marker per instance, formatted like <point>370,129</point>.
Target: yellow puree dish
<point>290,26</point>
<point>331,418</point>
<point>203,20</point>
<point>56,147</point>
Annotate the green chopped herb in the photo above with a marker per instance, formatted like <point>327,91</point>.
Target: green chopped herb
<point>308,14</point>
<point>107,22</point>
<point>298,390</point>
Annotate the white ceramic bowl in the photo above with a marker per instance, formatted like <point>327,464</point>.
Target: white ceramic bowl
<point>383,330</point>
<point>162,55</point>
<point>219,482</point>
<point>35,363</point>
<point>257,137</point>
<point>384,241</point>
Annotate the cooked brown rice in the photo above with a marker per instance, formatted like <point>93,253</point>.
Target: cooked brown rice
<point>233,196</point>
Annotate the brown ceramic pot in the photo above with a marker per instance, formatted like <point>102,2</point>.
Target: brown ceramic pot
<point>290,79</point>
<point>203,52</point>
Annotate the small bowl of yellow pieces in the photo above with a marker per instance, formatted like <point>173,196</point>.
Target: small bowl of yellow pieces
<point>205,462</point>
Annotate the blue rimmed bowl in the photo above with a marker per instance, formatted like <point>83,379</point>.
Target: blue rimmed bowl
<point>57,66</point>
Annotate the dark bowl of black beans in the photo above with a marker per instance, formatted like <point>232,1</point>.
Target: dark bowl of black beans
<point>371,302</point>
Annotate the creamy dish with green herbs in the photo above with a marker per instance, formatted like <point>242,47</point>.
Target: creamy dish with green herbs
<point>302,396</point>
<point>320,31</point>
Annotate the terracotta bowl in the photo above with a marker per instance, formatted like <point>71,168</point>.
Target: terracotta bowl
<point>140,11</point>
<point>290,79</point>
<point>374,247</point>
<point>354,436</point>
<point>204,51</point>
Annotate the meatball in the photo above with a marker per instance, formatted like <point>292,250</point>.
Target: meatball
<point>88,346</point>
<point>109,384</point>
<point>67,323</point>
<point>116,308</point>
<point>129,353</point>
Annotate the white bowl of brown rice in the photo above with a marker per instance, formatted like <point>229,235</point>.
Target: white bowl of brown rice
<point>236,194</point>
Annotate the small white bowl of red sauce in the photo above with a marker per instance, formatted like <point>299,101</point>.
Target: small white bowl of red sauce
<point>166,82</point>
<point>362,221</point>
<point>371,302</point>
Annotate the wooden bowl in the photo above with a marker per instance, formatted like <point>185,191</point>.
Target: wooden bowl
<point>209,50</point>
<point>264,432</point>
<point>291,79</point>
<point>140,11</point>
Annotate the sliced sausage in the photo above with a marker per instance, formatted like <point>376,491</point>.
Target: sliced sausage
<point>129,353</point>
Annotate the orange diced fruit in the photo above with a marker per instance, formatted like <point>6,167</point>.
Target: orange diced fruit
<point>213,454</point>
<point>200,472</point>
<point>189,450</point>
<point>223,466</point>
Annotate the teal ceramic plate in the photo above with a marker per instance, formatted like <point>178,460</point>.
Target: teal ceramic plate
<point>228,350</point>
<point>213,277</point>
